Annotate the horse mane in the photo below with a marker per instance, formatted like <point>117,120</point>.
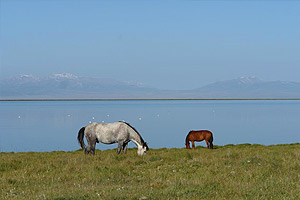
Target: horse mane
<point>142,140</point>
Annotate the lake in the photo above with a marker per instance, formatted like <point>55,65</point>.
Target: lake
<point>54,125</point>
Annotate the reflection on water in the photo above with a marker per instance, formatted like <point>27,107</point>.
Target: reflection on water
<point>52,126</point>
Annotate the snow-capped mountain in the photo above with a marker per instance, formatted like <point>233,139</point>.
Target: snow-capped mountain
<point>251,87</point>
<point>249,80</point>
<point>71,86</point>
<point>64,76</point>
<point>67,85</point>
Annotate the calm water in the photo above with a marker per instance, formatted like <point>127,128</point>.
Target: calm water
<point>52,126</point>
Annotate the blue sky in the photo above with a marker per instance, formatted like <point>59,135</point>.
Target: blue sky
<point>164,44</point>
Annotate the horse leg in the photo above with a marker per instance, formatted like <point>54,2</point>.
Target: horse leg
<point>125,147</point>
<point>88,147</point>
<point>207,143</point>
<point>91,145</point>
<point>193,144</point>
<point>211,145</point>
<point>187,144</point>
<point>85,151</point>
<point>120,144</point>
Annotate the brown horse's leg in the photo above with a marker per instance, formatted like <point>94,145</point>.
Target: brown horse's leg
<point>207,143</point>
<point>193,144</point>
<point>211,146</point>
<point>211,141</point>
<point>187,144</point>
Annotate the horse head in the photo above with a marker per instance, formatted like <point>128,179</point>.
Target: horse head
<point>142,149</point>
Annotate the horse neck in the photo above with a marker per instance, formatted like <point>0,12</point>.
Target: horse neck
<point>135,137</point>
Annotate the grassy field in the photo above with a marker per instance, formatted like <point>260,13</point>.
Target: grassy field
<point>227,172</point>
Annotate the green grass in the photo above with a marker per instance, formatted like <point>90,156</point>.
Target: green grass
<point>228,172</point>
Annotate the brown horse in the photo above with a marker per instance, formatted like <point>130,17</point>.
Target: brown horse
<point>199,136</point>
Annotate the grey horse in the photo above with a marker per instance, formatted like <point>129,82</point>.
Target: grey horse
<point>109,133</point>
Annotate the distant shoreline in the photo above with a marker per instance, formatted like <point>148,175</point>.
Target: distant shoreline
<point>158,99</point>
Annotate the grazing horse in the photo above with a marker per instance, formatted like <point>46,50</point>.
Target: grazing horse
<point>109,133</point>
<point>199,136</point>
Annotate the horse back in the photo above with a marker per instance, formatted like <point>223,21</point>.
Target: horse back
<point>107,133</point>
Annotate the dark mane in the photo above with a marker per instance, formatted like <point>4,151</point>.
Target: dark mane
<point>134,130</point>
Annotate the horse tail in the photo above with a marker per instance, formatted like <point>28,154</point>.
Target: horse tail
<point>187,142</point>
<point>211,146</point>
<point>80,137</point>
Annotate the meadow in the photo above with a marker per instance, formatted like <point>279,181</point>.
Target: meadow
<point>242,171</point>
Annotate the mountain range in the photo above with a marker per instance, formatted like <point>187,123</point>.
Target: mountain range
<point>71,86</point>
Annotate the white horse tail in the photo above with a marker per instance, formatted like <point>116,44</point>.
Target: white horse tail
<point>80,137</point>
